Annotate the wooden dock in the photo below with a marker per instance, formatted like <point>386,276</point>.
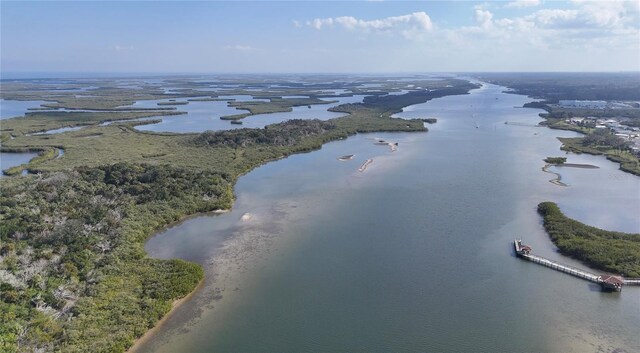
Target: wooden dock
<point>563,268</point>
<point>632,281</point>
<point>607,282</point>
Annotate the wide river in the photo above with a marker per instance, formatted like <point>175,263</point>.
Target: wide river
<point>412,255</point>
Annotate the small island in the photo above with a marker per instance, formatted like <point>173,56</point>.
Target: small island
<point>605,250</point>
<point>555,160</point>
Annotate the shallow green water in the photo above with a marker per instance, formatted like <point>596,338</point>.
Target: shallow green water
<point>412,255</point>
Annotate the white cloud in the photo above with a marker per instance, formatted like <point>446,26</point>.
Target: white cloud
<point>409,25</point>
<point>484,17</point>
<point>555,18</point>
<point>599,35</point>
<point>239,47</point>
<point>119,47</point>
<point>318,23</point>
<point>522,3</point>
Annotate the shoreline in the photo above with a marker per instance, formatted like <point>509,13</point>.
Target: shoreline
<point>138,342</point>
<point>226,271</point>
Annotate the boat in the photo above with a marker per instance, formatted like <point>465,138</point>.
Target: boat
<point>236,122</point>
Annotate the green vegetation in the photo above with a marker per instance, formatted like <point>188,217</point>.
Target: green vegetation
<point>605,250</point>
<point>44,121</point>
<point>44,155</point>
<point>560,86</point>
<point>75,277</point>
<point>602,142</point>
<point>555,160</point>
<point>594,86</point>
<point>275,105</point>
<point>387,105</point>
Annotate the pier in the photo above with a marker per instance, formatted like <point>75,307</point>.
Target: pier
<point>517,123</point>
<point>607,282</point>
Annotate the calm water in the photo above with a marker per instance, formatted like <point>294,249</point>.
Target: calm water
<point>412,255</point>
<point>8,160</point>
<point>58,131</point>
<point>202,116</point>
<point>315,111</point>
<point>12,109</point>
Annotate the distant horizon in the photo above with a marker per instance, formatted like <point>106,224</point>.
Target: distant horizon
<point>321,37</point>
<point>34,75</point>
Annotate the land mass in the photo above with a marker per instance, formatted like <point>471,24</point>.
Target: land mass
<point>603,107</point>
<point>615,252</point>
<point>74,273</point>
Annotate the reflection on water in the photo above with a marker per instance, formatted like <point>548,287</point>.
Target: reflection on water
<point>412,255</point>
<point>12,109</point>
<point>57,131</point>
<point>8,160</point>
<point>202,116</point>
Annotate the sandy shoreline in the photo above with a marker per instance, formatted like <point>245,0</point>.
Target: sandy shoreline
<point>175,305</point>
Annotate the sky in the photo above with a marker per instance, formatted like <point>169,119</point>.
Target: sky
<point>318,36</point>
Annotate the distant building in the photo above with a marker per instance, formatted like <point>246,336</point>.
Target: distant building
<point>583,104</point>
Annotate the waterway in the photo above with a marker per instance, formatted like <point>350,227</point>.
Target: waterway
<point>8,160</point>
<point>314,111</point>
<point>412,255</point>
<point>202,116</point>
<point>13,108</point>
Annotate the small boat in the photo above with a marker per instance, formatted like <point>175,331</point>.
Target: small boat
<point>236,122</point>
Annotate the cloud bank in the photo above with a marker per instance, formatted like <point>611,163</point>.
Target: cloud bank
<point>408,25</point>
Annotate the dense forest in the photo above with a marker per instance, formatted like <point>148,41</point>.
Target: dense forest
<point>75,276</point>
<point>287,133</point>
<point>606,250</point>
<point>554,87</point>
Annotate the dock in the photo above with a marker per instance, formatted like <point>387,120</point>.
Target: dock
<point>606,281</point>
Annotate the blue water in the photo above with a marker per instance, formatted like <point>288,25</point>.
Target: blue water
<point>12,108</point>
<point>8,160</point>
<point>412,255</point>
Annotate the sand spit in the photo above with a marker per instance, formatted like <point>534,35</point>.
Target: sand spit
<point>577,165</point>
<point>364,165</point>
<point>557,179</point>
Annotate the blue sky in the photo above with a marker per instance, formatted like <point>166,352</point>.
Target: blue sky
<point>310,36</point>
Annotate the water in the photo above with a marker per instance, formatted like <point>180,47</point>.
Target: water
<point>8,160</point>
<point>412,255</point>
<point>57,131</point>
<point>315,111</point>
<point>12,109</point>
<point>202,116</point>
